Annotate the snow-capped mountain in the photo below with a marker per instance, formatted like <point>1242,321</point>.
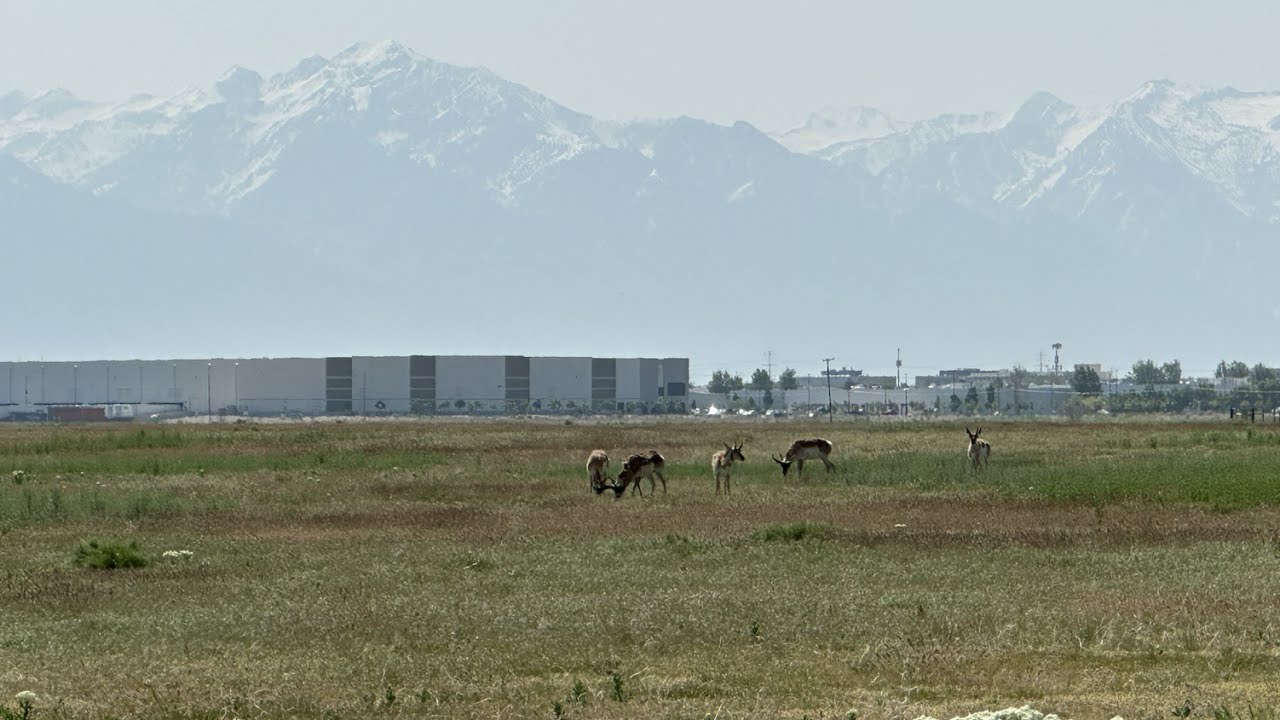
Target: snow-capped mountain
<point>1050,154</point>
<point>383,170</point>
<point>831,126</point>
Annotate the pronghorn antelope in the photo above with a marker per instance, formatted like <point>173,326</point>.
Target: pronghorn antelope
<point>639,467</point>
<point>801,450</point>
<point>722,464</point>
<point>597,470</point>
<point>979,450</point>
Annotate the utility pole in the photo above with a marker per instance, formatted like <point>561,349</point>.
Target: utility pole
<point>899,364</point>
<point>769,362</point>
<point>1057,347</point>
<point>831,416</point>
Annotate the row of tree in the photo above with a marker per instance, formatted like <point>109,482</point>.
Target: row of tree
<point>1164,390</point>
<point>723,382</point>
<point>1085,380</point>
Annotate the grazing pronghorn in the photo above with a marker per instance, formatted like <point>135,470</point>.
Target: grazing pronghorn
<point>979,450</point>
<point>639,467</point>
<point>801,450</point>
<point>722,463</point>
<point>597,470</point>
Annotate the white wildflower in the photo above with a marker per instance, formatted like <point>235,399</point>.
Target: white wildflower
<point>26,696</point>
<point>900,525</point>
<point>177,554</point>
<point>1023,713</point>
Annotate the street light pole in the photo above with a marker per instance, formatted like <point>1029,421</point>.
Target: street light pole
<point>208,382</point>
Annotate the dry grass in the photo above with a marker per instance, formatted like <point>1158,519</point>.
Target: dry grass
<point>346,569</point>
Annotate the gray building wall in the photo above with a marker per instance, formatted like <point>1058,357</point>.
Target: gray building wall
<point>675,377</point>
<point>472,379</point>
<point>380,380</point>
<point>273,386</point>
<point>561,379</point>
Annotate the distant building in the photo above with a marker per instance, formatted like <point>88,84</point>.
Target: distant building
<point>343,385</point>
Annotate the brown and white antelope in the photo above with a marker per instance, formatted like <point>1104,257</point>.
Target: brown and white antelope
<point>637,468</point>
<point>722,464</point>
<point>597,470</point>
<point>979,449</point>
<point>801,450</point>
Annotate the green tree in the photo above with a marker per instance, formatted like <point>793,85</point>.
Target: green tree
<point>719,382</point>
<point>1234,369</point>
<point>760,380</point>
<point>1018,376</point>
<point>1172,372</point>
<point>1145,372</point>
<point>991,395</point>
<point>787,381</point>
<point>724,383</point>
<point>1018,379</point>
<point>1085,380</point>
<point>956,403</point>
<point>1261,373</point>
<point>971,398</point>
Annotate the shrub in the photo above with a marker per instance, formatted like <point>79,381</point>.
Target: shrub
<point>795,531</point>
<point>110,556</point>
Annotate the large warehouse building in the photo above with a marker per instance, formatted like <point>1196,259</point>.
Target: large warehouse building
<point>424,384</point>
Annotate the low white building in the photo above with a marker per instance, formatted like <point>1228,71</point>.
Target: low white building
<point>342,385</point>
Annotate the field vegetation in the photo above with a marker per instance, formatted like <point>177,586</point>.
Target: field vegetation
<point>455,569</point>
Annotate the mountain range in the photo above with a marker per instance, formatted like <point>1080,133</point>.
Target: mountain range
<point>379,201</point>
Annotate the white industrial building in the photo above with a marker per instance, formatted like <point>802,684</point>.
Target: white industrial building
<point>422,384</point>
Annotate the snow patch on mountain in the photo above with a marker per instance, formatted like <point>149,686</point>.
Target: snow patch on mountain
<point>831,125</point>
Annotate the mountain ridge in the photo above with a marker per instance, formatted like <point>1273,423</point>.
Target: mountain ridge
<point>423,182</point>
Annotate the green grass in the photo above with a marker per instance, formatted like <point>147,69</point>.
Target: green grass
<point>463,569</point>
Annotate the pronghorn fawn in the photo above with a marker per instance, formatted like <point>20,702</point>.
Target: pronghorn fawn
<point>801,450</point>
<point>722,464</point>
<point>637,468</point>
<point>597,470</point>
<point>979,449</point>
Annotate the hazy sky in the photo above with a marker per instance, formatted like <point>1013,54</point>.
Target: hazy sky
<point>769,63</point>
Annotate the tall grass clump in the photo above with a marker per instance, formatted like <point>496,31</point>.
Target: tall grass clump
<point>109,556</point>
<point>796,531</point>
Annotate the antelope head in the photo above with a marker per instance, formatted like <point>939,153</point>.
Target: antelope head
<point>786,464</point>
<point>734,452</point>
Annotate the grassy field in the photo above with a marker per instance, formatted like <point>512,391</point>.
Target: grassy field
<point>462,569</point>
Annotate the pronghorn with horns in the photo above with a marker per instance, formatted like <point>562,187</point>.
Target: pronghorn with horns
<point>801,450</point>
<point>722,463</point>
<point>638,467</point>
<point>979,449</point>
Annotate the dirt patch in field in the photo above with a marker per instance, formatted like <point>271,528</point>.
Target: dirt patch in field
<point>911,522</point>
